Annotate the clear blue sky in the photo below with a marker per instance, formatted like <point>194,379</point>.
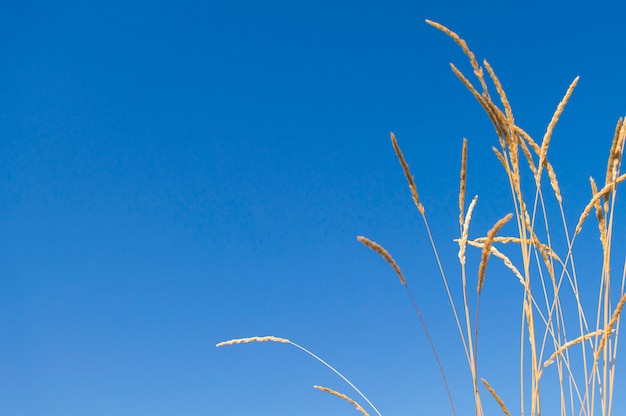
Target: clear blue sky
<point>175,174</point>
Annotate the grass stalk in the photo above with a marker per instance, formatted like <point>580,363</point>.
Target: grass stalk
<point>581,347</point>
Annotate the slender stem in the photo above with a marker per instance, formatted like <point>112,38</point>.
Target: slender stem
<point>432,346</point>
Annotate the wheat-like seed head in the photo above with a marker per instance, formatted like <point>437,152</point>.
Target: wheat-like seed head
<point>463,180</point>
<point>546,138</point>
<point>604,191</point>
<point>469,86</point>
<point>531,142</point>
<point>500,157</point>
<point>385,254</point>
<point>599,214</point>
<point>553,182</point>
<point>534,240</point>
<point>344,397</point>
<point>268,338</point>
<point>495,396</point>
<point>487,249</point>
<point>495,252</point>
<point>498,120</point>
<point>609,328</point>
<point>614,153</point>
<point>500,90</point>
<point>571,343</point>
<point>466,50</point>
<point>527,154</point>
<point>465,231</point>
<point>407,173</point>
<point>498,117</point>
<point>615,156</point>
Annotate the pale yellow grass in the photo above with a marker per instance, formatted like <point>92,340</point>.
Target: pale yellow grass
<point>343,397</point>
<point>547,274</point>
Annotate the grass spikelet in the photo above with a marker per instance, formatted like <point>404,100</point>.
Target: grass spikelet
<point>343,397</point>
<point>487,249</point>
<point>466,50</point>
<point>495,252</point>
<point>468,84</point>
<point>614,153</point>
<point>604,191</point>
<point>500,157</point>
<point>615,156</point>
<point>599,214</point>
<point>385,254</point>
<point>407,173</point>
<point>505,240</point>
<point>526,137</point>
<point>571,343</point>
<point>495,396</point>
<point>609,328</point>
<point>465,231</point>
<point>546,138</point>
<point>500,90</point>
<point>553,182</point>
<point>499,121</point>
<point>462,186</point>
<point>528,156</point>
<point>253,339</point>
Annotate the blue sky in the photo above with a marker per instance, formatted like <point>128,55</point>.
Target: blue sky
<point>173,175</point>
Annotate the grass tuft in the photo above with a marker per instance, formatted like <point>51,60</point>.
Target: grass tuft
<point>580,344</point>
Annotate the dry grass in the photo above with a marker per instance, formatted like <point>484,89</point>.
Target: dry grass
<point>253,339</point>
<point>385,254</point>
<point>581,344</point>
<point>343,397</point>
<point>495,396</point>
<point>270,338</point>
<point>484,257</point>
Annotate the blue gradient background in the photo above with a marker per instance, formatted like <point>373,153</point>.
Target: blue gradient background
<point>173,175</point>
